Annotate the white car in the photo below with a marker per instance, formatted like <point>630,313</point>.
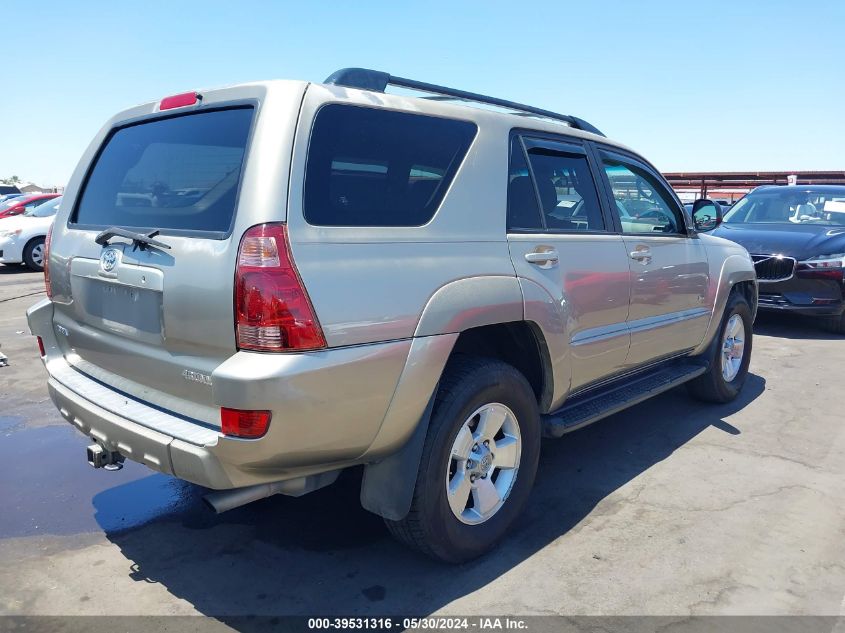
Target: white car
<point>22,236</point>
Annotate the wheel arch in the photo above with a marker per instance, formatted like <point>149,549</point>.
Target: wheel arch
<point>471,302</point>
<point>521,344</point>
<point>737,272</point>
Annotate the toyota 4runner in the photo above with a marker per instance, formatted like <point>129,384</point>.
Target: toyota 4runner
<point>256,287</point>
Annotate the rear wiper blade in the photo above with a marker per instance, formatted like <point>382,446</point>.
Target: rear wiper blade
<point>139,240</point>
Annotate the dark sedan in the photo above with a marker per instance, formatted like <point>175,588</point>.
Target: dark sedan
<point>796,236</point>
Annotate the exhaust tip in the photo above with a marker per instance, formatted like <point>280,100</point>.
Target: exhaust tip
<point>224,500</point>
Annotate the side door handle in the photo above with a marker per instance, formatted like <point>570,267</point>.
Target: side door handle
<point>642,254</point>
<point>542,258</point>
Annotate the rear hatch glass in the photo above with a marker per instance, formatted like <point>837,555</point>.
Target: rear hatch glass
<point>178,174</point>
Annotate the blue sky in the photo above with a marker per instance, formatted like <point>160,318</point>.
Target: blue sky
<point>693,86</point>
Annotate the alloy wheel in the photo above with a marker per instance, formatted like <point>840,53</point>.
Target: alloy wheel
<point>483,463</point>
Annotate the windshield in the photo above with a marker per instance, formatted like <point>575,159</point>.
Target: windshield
<point>45,209</point>
<point>790,205</point>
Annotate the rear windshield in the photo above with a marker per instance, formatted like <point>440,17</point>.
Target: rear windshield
<point>373,167</point>
<point>179,173</point>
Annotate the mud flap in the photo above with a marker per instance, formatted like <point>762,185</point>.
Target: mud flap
<point>388,486</point>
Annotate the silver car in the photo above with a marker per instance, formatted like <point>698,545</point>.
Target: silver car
<point>257,287</point>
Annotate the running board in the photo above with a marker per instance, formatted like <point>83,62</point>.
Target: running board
<point>584,410</point>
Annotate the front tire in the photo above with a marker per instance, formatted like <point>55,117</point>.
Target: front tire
<point>478,464</point>
<point>835,324</point>
<point>33,254</point>
<point>729,355</point>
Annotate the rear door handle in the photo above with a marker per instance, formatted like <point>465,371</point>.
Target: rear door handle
<point>542,257</point>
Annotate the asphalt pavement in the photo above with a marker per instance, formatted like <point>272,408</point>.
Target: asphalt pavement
<point>670,508</point>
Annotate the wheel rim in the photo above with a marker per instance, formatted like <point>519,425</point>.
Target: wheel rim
<point>38,255</point>
<point>733,347</point>
<point>483,463</point>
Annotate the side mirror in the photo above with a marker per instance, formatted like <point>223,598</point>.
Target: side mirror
<point>706,215</point>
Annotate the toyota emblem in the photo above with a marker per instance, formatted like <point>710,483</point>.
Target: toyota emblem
<point>109,259</point>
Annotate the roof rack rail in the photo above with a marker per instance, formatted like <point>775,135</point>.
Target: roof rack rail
<point>377,81</point>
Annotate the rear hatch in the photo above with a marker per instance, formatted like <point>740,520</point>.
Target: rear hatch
<point>154,320</point>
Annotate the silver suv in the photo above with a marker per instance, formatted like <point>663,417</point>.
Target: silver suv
<point>257,287</point>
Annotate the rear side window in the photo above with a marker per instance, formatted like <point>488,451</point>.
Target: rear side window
<point>179,173</point>
<point>523,211</point>
<point>556,194</point>
<point>567,192</point>
<point>372,167</point>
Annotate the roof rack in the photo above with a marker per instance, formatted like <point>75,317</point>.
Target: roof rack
<point>377,81</point>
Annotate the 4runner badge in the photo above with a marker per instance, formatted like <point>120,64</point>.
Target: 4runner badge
<point>195,376</point>
<point>109,259</point>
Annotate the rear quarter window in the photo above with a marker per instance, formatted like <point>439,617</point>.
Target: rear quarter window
<point>179,173</point>
<point>373,167</point>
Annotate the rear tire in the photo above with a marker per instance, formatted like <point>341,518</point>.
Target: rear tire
<point>475,397</point>
<point>726,374</point>
<point>33,254</point>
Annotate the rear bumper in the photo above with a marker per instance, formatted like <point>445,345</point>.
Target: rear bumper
<point>327,409</point>
<point>138,443</point>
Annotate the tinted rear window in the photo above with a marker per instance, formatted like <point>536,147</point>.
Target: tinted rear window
<point>372,167</point>
<point>178,173</point>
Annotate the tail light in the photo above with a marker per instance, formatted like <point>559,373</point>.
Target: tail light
<point>272,310</point>
<point>41,349</point>
<point>241,423</point>
<point>47,239</point>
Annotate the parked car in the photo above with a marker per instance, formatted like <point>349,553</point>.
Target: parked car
<point>22,237</point>
<point>9,196</point>
<point>16,206</point>
<point>7,189</point>
<point>359,278</point>
<point>796,236</point>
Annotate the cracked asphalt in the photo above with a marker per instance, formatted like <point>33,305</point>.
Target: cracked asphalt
<point>670,508</point>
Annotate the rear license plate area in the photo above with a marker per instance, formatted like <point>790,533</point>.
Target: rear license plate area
<point>120,308</point>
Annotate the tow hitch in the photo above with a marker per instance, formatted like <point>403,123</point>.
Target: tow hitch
<point>101,457</point>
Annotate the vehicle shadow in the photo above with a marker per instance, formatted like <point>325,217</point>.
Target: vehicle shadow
<point>323,554</point>
<point>792,326</point>
<point>12,269</point>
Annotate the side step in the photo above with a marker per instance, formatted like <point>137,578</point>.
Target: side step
<point>591,407</point>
